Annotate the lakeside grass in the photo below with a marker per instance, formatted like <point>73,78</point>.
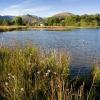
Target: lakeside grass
<point>46,28</point>
<point>30,73</point>
<point>11,28</point>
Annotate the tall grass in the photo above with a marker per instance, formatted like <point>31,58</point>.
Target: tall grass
<point>12,28</point>
<point>29,73</point>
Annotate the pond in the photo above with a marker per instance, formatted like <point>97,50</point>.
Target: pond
<point>82,44</point>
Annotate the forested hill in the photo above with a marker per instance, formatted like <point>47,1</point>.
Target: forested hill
<point>20,20</point>
<point>31,19</point>
<point>73,20</point>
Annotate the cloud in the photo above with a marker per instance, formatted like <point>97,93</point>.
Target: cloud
<point>25,7</point>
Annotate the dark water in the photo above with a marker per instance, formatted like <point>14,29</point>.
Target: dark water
<point>82,44</point>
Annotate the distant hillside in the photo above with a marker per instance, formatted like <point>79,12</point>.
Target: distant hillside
<point>31,18</point>
<point>7,17</point>
<point>63,14</point>
<point>24,17</point>
<point>27,19</point>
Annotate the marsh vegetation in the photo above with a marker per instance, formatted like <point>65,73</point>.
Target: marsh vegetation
<point>30,73</point>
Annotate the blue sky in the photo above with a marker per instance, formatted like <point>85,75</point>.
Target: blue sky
<point>44,8</point>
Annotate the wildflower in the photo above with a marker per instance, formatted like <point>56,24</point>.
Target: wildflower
<point>55,73</point>
<point>13,76</point>
<point>9,77</point>
<point>22,89</point>
<point>48,71</point>
<point>46,74</point>
<point>30,54</point>
<point>38,72</point>
<point>9,74</point>
<point>14,89</point>
<point>6,83</point>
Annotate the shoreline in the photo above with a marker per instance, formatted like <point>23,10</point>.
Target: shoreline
<point>12,28</point>
<point>45,28</point>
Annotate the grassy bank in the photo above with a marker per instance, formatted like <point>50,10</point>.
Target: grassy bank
<point>12,28</point>
<point>29,73</point>
<point>46,28</point>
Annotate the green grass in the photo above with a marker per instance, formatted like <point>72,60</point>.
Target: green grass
<point>29,73</point>
<point>48,28</point>
<point>12,28</point>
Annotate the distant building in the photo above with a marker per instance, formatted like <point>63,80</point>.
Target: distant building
<point>41,24</point>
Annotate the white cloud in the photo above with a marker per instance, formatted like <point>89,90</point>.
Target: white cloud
<point>25,7</point>
<point>13,10</point>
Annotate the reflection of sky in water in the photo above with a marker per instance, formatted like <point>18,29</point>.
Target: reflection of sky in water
<point>83,44</point>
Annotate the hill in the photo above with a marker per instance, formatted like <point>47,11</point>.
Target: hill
<point>7,17</point>
<point>27,19</point>
<point>63,14</point>
<point>31,19</point>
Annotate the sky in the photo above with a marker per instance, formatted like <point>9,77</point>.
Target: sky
<point>46,8</point>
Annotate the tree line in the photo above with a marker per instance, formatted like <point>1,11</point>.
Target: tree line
<point>20,21</point>
<point>14,21</point>
<point>74,20</point>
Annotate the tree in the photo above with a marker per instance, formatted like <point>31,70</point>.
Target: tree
<point>1,21</point>
<point>17,21</point>
<point>6,22</point>
<point>72,20</point>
